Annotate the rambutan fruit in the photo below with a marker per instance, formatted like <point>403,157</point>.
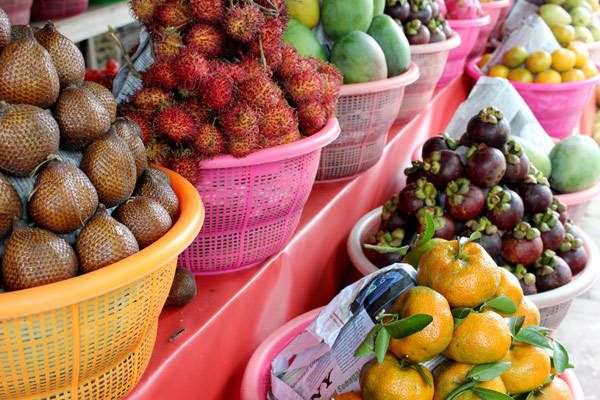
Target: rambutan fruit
<point>330,86</point>
<point>231,71</point>
<point>242,146</point>
<point>243,23</point>
<point>311,116</point>
<point>197,109</point>
<point>217,91</point>
<point>193,69</point>
<point>162,74</point>
<point>278,120</point>
<point>253,66</point>
<point>291,136</point>
<point>271,39</point>
<point>266,142</point>
<point>330,108</point>
<point>304,87</point>
<point>239,121</point>
<point>289,61</point>
<point>325,68</point>
<point>274,59</point>
<point>143,122</point>
<point>207,10</point>
<point>209,39</point>
<point>144,10</point>
<point>173,13</point>
<point>175,123</point>
<point>168,43</point>
<point>187,164</point>
<point>158,150</point>
<point>209,141</point>
<point>260,91</point>
<point>151,98</point>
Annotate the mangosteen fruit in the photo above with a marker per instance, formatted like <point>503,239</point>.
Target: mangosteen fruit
<point>442,167</point>
<point>505,207</point>
<point>522,244</point>
<point>417,195</point>
<point>465,141</point>
<point>464,201</point>
<point>551,272</point>
<point>435,9</point>
<point>551,229</point>
<point>535,192</point>
<point>385,248</point>
<point>392,218</point>
<point>490,127</point>
<point>416,32</point>
<point>517,164</point>
<point>421,10</point>
<point>573,253</point>
<point>436,34</point>
<point>560,208</point>
<point>526,278</point>
<point>490,238</point>
<point>397,9</point>
<point>414,172</point>
<point>438,143</point>
<point>444,25</point>
<point>485,165</point>
<point>443,222</point>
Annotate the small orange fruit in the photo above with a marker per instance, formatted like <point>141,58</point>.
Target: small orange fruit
<point>484,60</point>
<point>509,287</point>
<point>581,53</point>
<point>538,61</point>
<point>349,396</point>
<point>520,75</point>
<point>391,380</point>
<point>515,57</point>
<point>589,69</point>
<point>530,367</point>
<point>499,71</point>
<point>548,76</point>
<point>527,309</point>
<point>481,338</point>
<point>563,33</point>
<point>555,390</point>
<point>563,59</point>
<point>431,341</point>
<point>574,75</point>
<point>450,375</point>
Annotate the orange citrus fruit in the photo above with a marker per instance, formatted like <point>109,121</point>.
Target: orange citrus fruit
<point>431,341</point>
<point>499,71</point>
<point>538,61</point>
<point>481,338</point>
<point>548,76</point>
<point>530,367</point>
<point>527,309</point>
<point>589,69</point>
<point>555,390</point>
<point>450,375</point>
<point>349,396</point>
<point>465,281</point>
<point>574,75</point>
<point>520,75</point>
<point>509,287</point>
<point>563,33</point>
<point>515,57</point>
<point>563,60</point>
<point>484,59</point>
<point>581,53</point>
<point>392,381</point>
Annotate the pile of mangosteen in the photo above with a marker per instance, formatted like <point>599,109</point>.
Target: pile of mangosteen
<point>484,182</point>
<point>420,19</point>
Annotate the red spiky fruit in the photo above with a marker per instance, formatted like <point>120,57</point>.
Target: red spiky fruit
<point>162,74</point>
<point>158,151</point>
<point>330,87</point>
<point>217,91</point>
<point>253,67</point>
<point>326,68</point>
<point>242,146</point>
<point>266,142</point>
<point>271,37</point>
<point>231,71</point>
<point>239,121</point>
<point>304,87</point>
<point>276,5</point>
<point>193,69</point>
<point>209,141</point>
<point>330,108</point>
<point>168,44</point>
<point>291,136</point>
<point>144,123</point>
<point>175,123</point>
<point>274,59</point>
<point>243,23</point>
<point>311,117</point>
<point>151,98</point>
<point>186,164</point>
<point>289,61</point>
<point>207,10</point>
<point>197,109</point>
<point>209,39</point>
<point>260,91</point>
<point>278,120</point>
<point>144,10</point>
<point>172,13</point>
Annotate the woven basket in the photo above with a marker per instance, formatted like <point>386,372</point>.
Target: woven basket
<point>366,112</point>
<point>18,11</point>
<point>253,204</point>
<point>56,9</point>
<point>91,337</point>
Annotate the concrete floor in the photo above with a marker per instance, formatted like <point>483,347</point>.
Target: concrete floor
<point>580,330</point>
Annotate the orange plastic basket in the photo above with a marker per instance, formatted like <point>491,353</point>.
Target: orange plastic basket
<point>90,337</point>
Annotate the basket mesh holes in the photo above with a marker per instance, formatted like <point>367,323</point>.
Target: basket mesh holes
<point>551,317</point>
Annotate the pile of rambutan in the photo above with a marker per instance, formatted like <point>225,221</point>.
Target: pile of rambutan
<point>223,81</point>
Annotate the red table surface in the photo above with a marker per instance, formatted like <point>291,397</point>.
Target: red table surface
<point>233,313</point>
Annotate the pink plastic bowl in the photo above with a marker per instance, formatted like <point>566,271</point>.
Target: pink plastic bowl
<point>257,378</point>
<point>557,107</point>
<point>494,10</point>
<point>503,14</point>
<point>366,111</point>
<point>468,29</point>
<point>431,60</point>
<point>253,204</point>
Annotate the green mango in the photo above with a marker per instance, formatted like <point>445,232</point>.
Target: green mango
<point>341,17</point>
<point>580,16</point>
<point>575,164</point>
<point>359,57</point>
<point>571,4</point>
<point>393,42</point>
<point>583,34</point>
<point>536,157</point>
<point>304,41</point>
<point>378,7</point>
<point>554,15</point>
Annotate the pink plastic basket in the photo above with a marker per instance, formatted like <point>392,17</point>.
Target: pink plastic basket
<point>557,107</point>
<point>366,112</point>
<point>18,11</point>
<point>468,29</point>
<point>257,378</point>
<point>493,9</point>
<point>253,204</point>
<point>431,60</point>
<point>496,30</point>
